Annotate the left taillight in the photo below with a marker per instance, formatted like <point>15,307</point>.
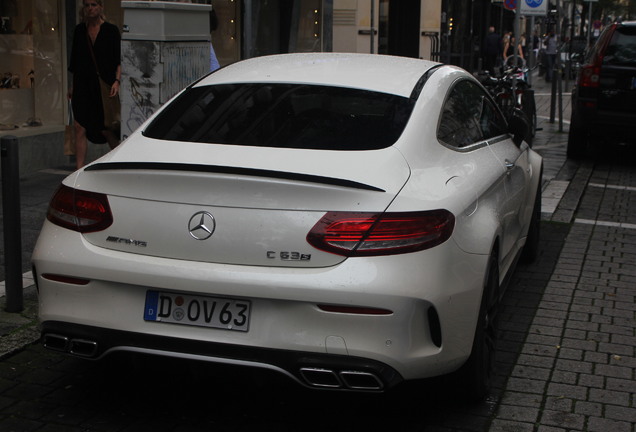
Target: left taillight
<point>374,234</point>
<point>79,210</point>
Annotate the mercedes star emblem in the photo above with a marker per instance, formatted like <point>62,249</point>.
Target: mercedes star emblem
<point>201,225</point>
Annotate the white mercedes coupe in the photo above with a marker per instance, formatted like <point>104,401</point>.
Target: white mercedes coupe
<point>348,220</point>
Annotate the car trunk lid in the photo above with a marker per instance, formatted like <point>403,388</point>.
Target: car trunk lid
<point>236,204</point>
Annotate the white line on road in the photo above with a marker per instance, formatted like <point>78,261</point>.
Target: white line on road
<point>616,187</point>
<point>605,223</point>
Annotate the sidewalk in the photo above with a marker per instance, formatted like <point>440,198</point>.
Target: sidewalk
<point>20,329</point>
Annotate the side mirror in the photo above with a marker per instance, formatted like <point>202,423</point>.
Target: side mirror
<point>518,126</point>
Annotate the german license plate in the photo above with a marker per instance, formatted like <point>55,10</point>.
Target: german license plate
<point>197,310</point>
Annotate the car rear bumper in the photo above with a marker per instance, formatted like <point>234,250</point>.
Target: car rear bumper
<point>428,332</point>
<point>604,123</point>
<point>309,369</point>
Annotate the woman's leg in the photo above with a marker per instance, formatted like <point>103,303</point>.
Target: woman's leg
<point>81,144</point>
<point>112,140</point>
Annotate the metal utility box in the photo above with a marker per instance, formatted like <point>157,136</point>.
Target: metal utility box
<point>165,47</point>
<point>166,21</point>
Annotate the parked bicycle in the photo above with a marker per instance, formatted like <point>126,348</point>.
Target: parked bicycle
<point>512,92</point>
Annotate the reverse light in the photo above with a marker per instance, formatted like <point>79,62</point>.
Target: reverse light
<point>374,234</point>
<point>79,210</point>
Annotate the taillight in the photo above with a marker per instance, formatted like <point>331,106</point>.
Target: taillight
<point>589,75</point>
<point>79,210</point>
<point>372,234</point>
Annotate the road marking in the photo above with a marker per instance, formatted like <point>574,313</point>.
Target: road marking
<point>616,187</point>
<point>605,223</point>
<point>27,281</point>
<point>555,120</point>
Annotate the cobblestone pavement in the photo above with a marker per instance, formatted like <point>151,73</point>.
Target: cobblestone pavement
<point>565,360</point>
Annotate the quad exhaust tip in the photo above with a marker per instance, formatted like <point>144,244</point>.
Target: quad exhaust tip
<point>78,347</point>
<point>315,377</point>
<point>345,379</point>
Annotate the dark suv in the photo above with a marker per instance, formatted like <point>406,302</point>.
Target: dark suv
<point>604,99</point>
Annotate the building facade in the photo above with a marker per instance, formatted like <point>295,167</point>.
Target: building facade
<point>35,36</point>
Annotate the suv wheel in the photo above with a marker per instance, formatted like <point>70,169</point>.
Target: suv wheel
<point>577,139</point>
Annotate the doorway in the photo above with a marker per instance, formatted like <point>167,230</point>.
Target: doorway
<point>399,28</point>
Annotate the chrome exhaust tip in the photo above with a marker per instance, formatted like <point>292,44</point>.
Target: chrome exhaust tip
<point>324,378</point>
<point>83,348</point>
<point>358,380</point>
<point>55,342</point>
<point>346,379</point>
<point>78,347</point>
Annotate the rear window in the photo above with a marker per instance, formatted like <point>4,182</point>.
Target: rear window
<point>284,115</point>
<point>621,50</point>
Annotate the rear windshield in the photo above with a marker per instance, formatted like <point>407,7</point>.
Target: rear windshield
<point>284,115</point>
<point>622,48</point>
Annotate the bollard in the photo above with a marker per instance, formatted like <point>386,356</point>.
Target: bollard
<point>11,223</point>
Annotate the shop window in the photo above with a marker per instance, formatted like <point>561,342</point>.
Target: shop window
<point>282,26</point>
<point>31,64</point>
<point>225,30</point>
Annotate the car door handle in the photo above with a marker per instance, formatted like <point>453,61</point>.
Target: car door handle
<point>509,165</point>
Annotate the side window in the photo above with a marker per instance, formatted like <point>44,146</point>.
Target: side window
<point>468,116</point>
<point>492,121</point>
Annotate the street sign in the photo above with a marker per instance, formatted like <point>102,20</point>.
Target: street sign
<point>534,7</point>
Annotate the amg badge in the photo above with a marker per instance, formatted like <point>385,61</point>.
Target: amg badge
<point>127,241</point>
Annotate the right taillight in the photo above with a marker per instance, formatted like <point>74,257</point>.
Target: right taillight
<point>589,75</point>
<point>373,234</point>
<point>79,210</point>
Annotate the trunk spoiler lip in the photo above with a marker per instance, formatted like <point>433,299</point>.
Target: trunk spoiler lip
<point>218,169</point>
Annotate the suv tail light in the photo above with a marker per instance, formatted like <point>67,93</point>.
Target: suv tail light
<point>589,74</point>
<point>373,234</point>
<point>79,210</point>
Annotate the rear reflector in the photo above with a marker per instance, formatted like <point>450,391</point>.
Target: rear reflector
<point>373,234</point>
<point>65,279</point>
<point>79,210</point>
<point>356,310</point>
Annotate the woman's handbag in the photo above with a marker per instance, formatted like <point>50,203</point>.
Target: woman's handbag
<point>111,105</point>
<point>112,108</point>
<point>69,134</point>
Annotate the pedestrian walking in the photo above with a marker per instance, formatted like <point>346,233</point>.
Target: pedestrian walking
<point>509,50</point>
<point>492,49</point>
<point>550,55</point>
<point>95,57</point>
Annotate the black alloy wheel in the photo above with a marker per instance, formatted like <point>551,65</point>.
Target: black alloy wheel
<point>531,248</point>
<point>477,373</point>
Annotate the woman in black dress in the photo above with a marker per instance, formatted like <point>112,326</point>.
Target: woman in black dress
<point>104,39</point>
<point>509,49</point>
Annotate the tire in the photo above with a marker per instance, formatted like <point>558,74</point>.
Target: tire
<point>531,248</point>
<point>529,107</point>
<point>577,139</point>
<point>476,374</point>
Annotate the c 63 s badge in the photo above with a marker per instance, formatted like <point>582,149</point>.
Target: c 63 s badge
<point>288,256</point>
